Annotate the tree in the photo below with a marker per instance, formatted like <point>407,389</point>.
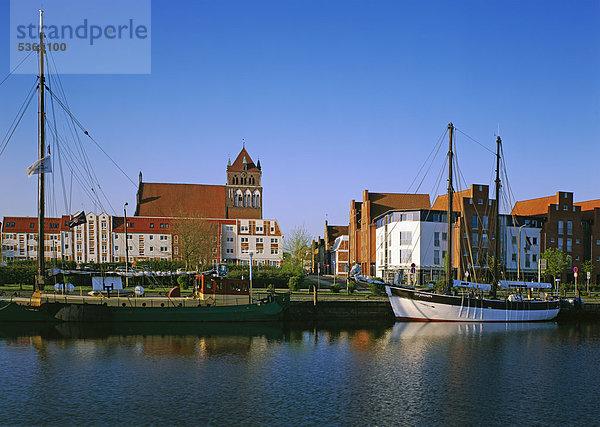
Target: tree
<point>196,240</point>
<point>297,244</point>
<point>556,260</point>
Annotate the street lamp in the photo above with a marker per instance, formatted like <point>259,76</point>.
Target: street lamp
<point>251,254</point>
<point>126,247</point>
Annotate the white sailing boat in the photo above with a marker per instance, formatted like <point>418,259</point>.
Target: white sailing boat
<point>410,304</point>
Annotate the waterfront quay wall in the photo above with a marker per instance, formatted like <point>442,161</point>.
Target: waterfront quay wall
<point>362,310</point>
<point>340,310</point>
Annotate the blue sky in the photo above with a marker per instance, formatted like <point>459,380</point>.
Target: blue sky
<point>335,97</point>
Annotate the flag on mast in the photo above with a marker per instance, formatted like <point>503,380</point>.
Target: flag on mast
<point>78,219</point>
<point>40,166</point>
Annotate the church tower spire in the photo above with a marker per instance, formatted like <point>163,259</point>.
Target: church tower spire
<point>243,188</point>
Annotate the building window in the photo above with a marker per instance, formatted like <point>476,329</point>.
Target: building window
<point>514,258</point>
<point>569,227</point>
<point>259,240</point>
<point>513,240</point>
<point>534,257</point>
<point>436,257</point>
<point>274,251</point>
<point>176,251</point>
<point>560,244</point>
<point>576,241</point>
<point>151,225</point>
<point>244,240</point>
<point>534,240</point>
<point>560,227</point>
<point>569,244</point>
<point>474,222</point>
<point>444,236</point>
<point>484,240</point>
<point>565,208</point>
<point>527,261</point>
<point>475,241</point>
<point>151,249</point>
<point>480,202</point>
<point>436,239</point>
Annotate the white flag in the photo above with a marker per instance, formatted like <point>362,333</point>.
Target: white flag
<point>43,165</point>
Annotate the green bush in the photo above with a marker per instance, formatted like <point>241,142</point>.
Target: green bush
<point>377,289</point>
<point>335,288</point>
<point>351,286</point>
<point>295,282</point>
<point>183,281</point>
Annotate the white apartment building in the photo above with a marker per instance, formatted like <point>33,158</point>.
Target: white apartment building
<point>260,238</point>
<point>102,239</point>
<point>404,238</point>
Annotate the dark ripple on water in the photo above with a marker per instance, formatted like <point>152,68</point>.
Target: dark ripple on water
<point>406,374</point>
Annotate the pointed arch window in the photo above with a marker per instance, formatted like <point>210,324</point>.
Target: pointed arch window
<point>256,199</point>
<point>239,199</point>
<point>247,199</point>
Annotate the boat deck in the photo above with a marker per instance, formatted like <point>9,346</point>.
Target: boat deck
<point>129,301</point>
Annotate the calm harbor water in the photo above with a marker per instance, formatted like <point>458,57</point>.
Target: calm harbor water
<point>276,374</point>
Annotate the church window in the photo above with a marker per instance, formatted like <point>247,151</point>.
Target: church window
<point>247,199</point>
<point>238,198</point>
<point>256,199</point>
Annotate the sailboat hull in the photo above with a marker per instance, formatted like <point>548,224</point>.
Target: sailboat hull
<point>413,305</point>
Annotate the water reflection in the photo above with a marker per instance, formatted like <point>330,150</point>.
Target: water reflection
<point>406,330</point>
<point>281,373</point>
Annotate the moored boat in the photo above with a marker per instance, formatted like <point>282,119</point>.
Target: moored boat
<point>410,304</point>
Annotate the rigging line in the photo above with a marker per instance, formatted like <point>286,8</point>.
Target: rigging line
<point>475,141</point>
<point>438,143</point>
<point>87,187</point>
<point>18,118</point>
<point>15,69</point>
<point>79,146</point>
<point>93,140</point>
<point>432,160</point>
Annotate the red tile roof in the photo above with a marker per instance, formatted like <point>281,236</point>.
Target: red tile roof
<point>383,202</point>
<point>588,205</point>
<point>537,206</point>
<point>181,200</point>
<point>238,164</point>
<point>23,224</point>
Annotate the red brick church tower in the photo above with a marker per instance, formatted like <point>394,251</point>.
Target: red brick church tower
<point>243,198</point>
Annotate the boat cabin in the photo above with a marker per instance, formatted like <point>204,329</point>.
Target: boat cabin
<point>221,290</point>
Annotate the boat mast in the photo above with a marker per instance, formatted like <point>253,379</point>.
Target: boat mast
<point>497,221</point>
<point>39,285</point>
<point>449,214</point>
